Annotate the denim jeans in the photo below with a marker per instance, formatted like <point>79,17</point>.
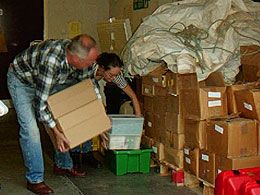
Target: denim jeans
<point>29,135</point>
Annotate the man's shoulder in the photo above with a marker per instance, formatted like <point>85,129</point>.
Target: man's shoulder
<point>56,42</point>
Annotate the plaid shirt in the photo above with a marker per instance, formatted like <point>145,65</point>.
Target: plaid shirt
<point>44,66</point>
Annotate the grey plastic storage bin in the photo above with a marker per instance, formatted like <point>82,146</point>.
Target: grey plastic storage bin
<point>126,132</point>
<point>126,124</point>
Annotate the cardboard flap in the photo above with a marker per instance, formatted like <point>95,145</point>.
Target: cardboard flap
<point>66,101</point>
<point>81,114</point>
<point>215,79</point>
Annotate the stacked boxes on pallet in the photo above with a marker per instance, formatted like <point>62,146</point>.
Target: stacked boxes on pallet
<point>224,142</point>
<point>208,100</point>
<point>205,114</point>
<point>162,111</point>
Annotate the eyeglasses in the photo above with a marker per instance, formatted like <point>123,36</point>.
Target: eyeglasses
<point>110,75</point>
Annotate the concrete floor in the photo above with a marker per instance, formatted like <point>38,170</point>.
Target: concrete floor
<point>98,181</point>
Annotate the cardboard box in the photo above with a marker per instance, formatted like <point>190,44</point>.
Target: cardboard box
<point>207,101</point>
<point>250,56</point>
<point>114,34</point>
<point>173,104</point>
<point>173,156</point>
<point>78,112</point>
<point>195,134</point>
<point>248,103</point>
<point>231,101</point>
<point>125,9</point>
<point>138,89</point>
<point>207,166</point>
<point>148,104</point>
<point>160,104</point>
<point>151,90</point>
<point>174,122</point>
<point>73,97</point>
<point>149,125</point>
<point>157,77</point>
<point>147,90</point>
<point>174,140</point>
<point>204,103</point>
<point>232,137</point>
<point>158,149</point>
<point>191,160</point>
<point>162,81</point>
<point>223,163</point>
<point>176,82</point>
<point>160,129</point>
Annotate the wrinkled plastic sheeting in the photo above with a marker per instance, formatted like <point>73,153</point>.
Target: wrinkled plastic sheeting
<point>220,27</point>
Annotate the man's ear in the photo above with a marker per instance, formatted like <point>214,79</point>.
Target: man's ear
<point>76,58</point>
<point>72,58</point>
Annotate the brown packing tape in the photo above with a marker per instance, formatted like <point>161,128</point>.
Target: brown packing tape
<point>164,81</point>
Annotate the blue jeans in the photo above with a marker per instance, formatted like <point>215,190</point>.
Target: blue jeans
<point>29,135</point>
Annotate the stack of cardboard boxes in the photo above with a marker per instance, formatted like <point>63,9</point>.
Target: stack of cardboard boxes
<point>205,115</point>
<point>218,141</point>
<point>162,111</point>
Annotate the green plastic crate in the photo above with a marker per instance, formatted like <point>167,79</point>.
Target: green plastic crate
<point>122,162</point>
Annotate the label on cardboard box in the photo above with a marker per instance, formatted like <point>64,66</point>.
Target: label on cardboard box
<point>186,151</point>
<point>187,160</point>
<point>214,103</point>
<point>204,157</point>
<point>219,129</point>
<point>155,79</point>
<point>155,149</point>
<point>214,94</point>
<point>117,142</point>
<point>248,106</point>
<point>146,90</point>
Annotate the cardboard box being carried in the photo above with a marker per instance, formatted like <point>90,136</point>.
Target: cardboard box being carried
<point>79,113</point>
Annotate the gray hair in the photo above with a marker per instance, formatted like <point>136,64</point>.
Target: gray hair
<point>80,47</point>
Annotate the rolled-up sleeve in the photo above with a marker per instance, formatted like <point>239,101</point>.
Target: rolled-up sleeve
<point>44,84</point>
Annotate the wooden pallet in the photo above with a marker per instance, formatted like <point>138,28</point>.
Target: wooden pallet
<point>191,181</point>
<point>208,188</point>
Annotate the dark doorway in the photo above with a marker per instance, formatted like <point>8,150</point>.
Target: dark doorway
<point>22,23</point>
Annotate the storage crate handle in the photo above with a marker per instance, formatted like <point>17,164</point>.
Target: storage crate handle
<point>236,172</point>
